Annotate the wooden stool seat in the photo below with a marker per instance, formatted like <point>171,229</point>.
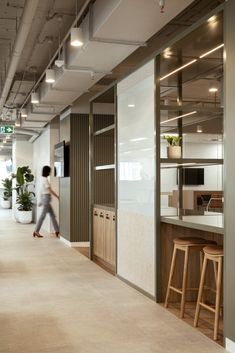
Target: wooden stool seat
<point>214,250</point>
<point>191,241</point>
<point>184,244</point>
<point>215,254</point>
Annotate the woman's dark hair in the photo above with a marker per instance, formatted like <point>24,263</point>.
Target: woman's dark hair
<point>46,170</point>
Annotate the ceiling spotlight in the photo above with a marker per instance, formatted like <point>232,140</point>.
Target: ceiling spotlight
<point>4,141</point>
<point>213,87</point>
<point>50,75</point>
<point>59,63</point>
<point>34,98</point>
<point>199,129</point>
<point>76,37</point>
<point>17,122</point>
<point>24,113</point>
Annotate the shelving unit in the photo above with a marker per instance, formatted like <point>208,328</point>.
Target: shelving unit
<point>102,177</point>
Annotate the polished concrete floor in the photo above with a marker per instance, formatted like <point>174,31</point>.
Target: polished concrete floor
<point>53,299</point>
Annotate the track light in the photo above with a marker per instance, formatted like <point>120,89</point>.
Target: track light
<point>24,113</point>
<point>213,88</point>
<point>34,98</point>
<point>50,75</point>
<point>76,37</point>
<point>199,129</point>
<point>17,122</point>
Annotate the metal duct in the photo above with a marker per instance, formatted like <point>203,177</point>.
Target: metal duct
<point>22,35</point>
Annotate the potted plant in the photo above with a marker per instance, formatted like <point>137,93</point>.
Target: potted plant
<point>24,179</point>
<point>174,146</point>
<point>7,193</point>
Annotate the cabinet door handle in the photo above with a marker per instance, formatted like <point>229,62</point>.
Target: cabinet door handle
<point>107,216</point>
<point>101,215</point>
<point>95,213</point>
<point>113,218</point>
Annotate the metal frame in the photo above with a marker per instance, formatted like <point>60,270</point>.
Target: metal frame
<point>92,167</point>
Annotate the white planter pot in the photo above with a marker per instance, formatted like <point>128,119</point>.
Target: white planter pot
<point>6,203</point>
<point>24,216</point>
<point>174,152</point>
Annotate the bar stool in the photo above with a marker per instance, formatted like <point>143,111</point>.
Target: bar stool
<point>184,244</point>
<point>215,254</point>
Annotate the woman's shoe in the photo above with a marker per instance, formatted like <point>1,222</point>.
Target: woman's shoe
<point>57,234</point>
<point>36,234</point>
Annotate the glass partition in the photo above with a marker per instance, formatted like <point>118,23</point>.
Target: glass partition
<point>191,117</point>
<point>136,179</point>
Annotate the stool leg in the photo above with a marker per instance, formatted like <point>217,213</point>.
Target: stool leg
<point>200,292</point>
<point>184,286</point>
<point>217,300</point>
<point>170,276</point>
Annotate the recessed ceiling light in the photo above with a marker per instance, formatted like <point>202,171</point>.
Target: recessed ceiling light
<point>131,105</point>
<point>212,18</point>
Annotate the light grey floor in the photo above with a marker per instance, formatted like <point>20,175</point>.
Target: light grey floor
<point>52,299</point>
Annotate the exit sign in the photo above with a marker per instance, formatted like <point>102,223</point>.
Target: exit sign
<point>7,129</point>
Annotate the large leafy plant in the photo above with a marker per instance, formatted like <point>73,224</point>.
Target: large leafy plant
<point>24,179</point>
<point>7,184</point>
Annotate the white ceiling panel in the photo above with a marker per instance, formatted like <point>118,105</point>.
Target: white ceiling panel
<point>76,81</point>
<point>135,20</point>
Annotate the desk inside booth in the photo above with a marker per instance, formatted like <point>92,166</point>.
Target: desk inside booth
<point>199,200</point>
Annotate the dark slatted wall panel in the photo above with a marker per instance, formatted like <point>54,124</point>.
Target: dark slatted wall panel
<point>104,149</point>
<point>79,175</point>
<point>101,121</point>
<point>104,190</point>
<point>103,154</point>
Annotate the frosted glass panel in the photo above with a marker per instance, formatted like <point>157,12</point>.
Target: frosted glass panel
<point>136,172</point>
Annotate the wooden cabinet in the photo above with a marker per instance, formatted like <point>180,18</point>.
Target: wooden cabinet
<point>104,240</point>
<point>98,233</point>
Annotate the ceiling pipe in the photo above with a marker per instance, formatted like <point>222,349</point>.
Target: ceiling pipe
<point>21,38</point>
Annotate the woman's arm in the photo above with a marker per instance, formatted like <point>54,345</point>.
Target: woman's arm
<point>53,193</point>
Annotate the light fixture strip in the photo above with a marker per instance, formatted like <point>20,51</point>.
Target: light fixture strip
<point>211,51</point>
<point>179,68</point>
<point>191,62</point>
<point>179,117</point>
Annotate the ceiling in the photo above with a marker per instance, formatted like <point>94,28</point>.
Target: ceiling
<point>103,59</point>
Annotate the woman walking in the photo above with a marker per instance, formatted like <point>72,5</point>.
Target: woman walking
<point>46,193</point>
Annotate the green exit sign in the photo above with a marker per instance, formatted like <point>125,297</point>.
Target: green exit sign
<point>7,129</point>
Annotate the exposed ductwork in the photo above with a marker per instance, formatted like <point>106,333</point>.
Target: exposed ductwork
<point>23,31</point>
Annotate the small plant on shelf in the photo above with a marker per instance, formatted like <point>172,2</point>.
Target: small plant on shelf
<point>173,140</point>
<point>174,148</point>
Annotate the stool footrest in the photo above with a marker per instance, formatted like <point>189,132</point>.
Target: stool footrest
<point>208,307</point>
<point>180,291</point>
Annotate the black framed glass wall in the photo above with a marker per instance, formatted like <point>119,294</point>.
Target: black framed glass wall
<point>191,122</point>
